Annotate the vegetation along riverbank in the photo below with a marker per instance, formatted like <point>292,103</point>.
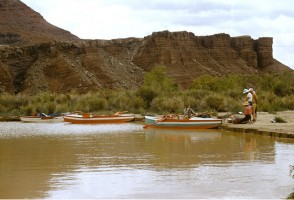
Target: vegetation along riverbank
<point>160,95</point>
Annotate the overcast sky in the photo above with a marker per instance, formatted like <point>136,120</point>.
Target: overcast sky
<point>111,19</point>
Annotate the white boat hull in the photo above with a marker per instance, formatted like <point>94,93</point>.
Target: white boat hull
<point>89,119</point>
<point>34,119</point>
<point>192,123</point>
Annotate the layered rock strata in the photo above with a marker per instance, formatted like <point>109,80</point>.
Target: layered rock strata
<point>36,56</point>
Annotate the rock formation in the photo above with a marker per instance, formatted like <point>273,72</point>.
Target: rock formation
<point>21,25</point>
<point>36,56</point>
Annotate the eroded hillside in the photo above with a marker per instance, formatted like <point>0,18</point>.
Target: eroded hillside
<point>36,56</point>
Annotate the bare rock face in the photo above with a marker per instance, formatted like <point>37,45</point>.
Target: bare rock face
<point>264,51</point>
<point>188,56</point>
<point>245,46</point>
<point>63,66</point>
<point>21,25</point>
<point>36,56</point>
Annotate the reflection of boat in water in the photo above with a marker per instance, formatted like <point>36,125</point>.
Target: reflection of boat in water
<point>192,123</point>
<point>187,135</point>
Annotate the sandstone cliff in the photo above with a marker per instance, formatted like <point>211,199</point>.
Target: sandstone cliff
<point>36,56</point>
<point>21,25</point>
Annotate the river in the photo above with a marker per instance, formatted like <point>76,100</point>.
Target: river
<point>69,161</point>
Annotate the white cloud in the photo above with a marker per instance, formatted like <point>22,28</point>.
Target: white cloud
<point>110,19</point>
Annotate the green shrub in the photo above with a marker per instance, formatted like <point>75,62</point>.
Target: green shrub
<point>119,102</point>
<point>166,105</point>
<point>232,105</point>
<point>235,94</point>
<point>138,103</point>
<point>27,110</point>
<point>288,102</point>
<point>12,101</point>
<point>97,104</point>
<point>215,102</point>
<point>206,82</point>
<point>279,120</point>
<point>63,108</point>
<point>158,81</point>
<point>266,107</point>
<point>280,89</point>
<point>50,108</point>
<point>160,94</point>
<point>197,93</point>
<point>190,101</point>
<point>62,98</point>
<point>2,109</point>
<point>147,94</point>
<point>82,105</point>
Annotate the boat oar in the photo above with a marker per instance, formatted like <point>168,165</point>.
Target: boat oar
<point>156,121</point>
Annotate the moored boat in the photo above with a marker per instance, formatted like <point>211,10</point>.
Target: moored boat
<point>42,119</point>
<point>95,119</point>
<point>192,123</point>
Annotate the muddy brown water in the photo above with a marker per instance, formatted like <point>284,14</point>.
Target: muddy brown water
<point>66,161</point>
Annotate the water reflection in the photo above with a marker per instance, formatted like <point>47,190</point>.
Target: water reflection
<point>126,161</point>
<point>30,154</point>
<point>190,148</point>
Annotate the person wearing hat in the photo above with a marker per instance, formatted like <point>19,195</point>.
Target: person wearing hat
<point>248,96</point>
<point>247,113</point>
<point>254,104</point>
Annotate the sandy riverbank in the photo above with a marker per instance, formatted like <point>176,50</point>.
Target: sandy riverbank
<point>264,124</point>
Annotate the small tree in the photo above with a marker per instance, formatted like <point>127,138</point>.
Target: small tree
<point>157,80</point>
<point>156,84</point>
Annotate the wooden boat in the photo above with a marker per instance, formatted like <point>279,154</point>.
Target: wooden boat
<point>95,119</point>
<point>175,123</point>
<point>42,119</point>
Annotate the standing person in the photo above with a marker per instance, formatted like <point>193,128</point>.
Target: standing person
<point>248,96</point>
<point>254,104</point>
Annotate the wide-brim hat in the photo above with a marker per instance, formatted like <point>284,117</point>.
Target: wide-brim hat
<point>245,103</point>
<point>245,91</point>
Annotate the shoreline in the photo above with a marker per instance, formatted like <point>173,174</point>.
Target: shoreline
<point>262,126</point>
<point>265,126</point>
